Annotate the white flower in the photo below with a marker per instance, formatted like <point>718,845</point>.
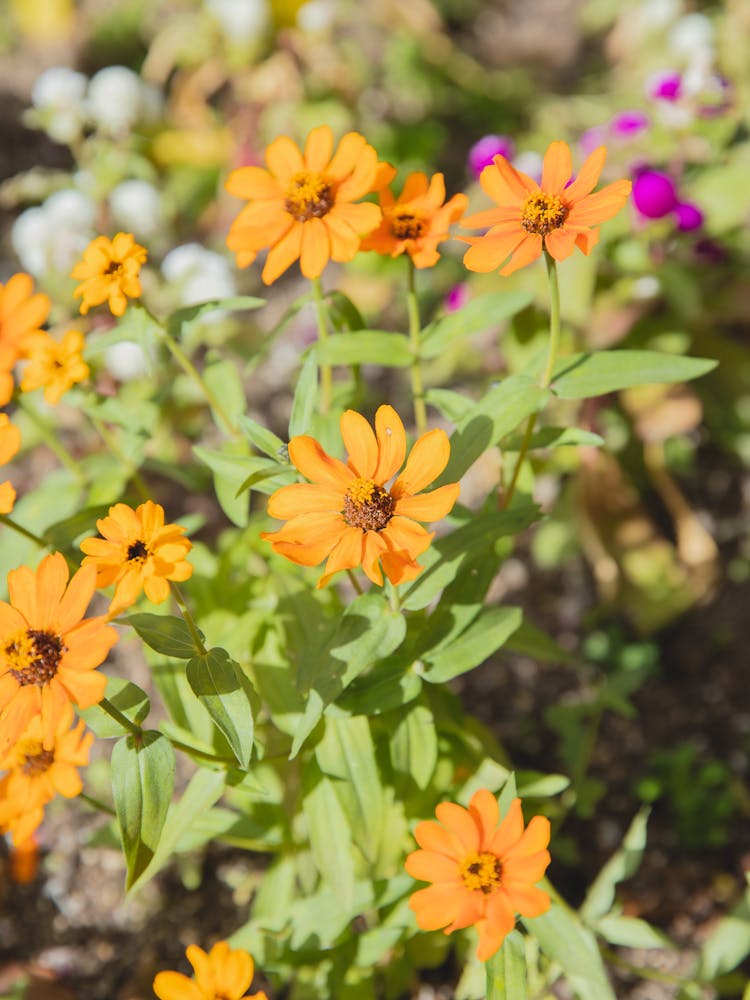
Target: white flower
<point>126,361</point>
<point>655,14</point>
<point>200,274</point>
<point>55,234</point>
<point>529,163</point>
<point>241,20</point>
<point>115,99</point>
<point>692,36</point>
<point>58,94</point>
<point>29,239</point>
<point>316,15</point>
<point>136,207</point>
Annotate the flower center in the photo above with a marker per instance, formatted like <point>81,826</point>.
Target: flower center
<point>35,759</point>
<point>407,225</point>
<point>114,267</point>
<point>309,196</point>
<point>34,656</point>
<point>482,871</point>
<point>541,213</point>
<point>137,552</point>
<point>368,506</point>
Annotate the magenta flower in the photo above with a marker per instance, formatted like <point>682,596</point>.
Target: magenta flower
<point>629,124</point>
<point>666,86</point>
<point>689,216</point>
<point>457,297</point>
<point>654,194</point>
<point>483,152</point>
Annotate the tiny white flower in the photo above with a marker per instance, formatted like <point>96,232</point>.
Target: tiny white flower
<point>692,36</point>
<point>646,287</point>
<point>316,15</point>
<point>115,99</point>
<point>655,14</point>
<point>200,276</point>
<point>58,94</point>
<point>29,239</point>
<point>126,361</point>
<point>53,235</point>
<point>136,207</point>
<point>241,20</point>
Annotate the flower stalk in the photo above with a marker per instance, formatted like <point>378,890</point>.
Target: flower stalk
<point>417,385</point>
<point>326,375</point>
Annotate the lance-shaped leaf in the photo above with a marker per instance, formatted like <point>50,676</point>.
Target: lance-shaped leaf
<point>166,634</point>
<point>506,970</point>
<point>329,834</point>
<point>477,315</point>
<point>365,347</point>
<point>486,634</point>
<point>142,784</point>
<point>225,692</point>
<point>580,376</point>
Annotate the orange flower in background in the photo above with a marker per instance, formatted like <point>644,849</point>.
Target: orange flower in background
<point>417,221</point>
<point>10,442</point>
<point>18,818</point>
<point>22,313</point>
<point>554,216</point>
<point>224,973</point>
<point>483,870</point>
<point>137,551</point>
<point>48,651</point>
<point>302,207</point>
<point>108,272</point>
<point>55,367</point>
<point>347,514</point>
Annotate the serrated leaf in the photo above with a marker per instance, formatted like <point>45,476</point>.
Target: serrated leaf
<point>506,970</point>
<point>364,347</point>
<point>477,315</point>
<point>166,634</point>
<point>581,376</point>
<point>330,836</point>
<point>142,784</point>
<point>414,745</point>
<point>623,863</point>
<point>127,698</point>
<point>486,634</point>
<point>305,401</point>
<point>226,694</point>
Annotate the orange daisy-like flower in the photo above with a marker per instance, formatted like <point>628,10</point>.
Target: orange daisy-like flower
<point>223,973</point>
<point>137,551</point>
<point>556,216</point>
<point>10,442</point>
<point>483,870</point>
<point>48,651</point>
<point>108,272</point>
<point>347,512</point>
<point>22,313</point>
<point>302,206</point>
<point>417,221</point>
<point>18,818</point>
<point>54,366</point>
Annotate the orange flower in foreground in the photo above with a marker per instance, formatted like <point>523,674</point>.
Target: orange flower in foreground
<point>417,221</point>
<point>48,651</point>
<point>483,870</point>
<point>348,514</point>
<point>137,551</point>
<point>302,206</point>
<point>54,366</point>
<point>530,217</point>
<point>224,973</point>
<point>108,272</point>
<point>22,314</point>
<point>10,442</point>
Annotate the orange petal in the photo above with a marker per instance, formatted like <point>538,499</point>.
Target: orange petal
<point>301,553</point>
<point>427,459</point>
<point>587,177</point>
<point>587,239</point>
<point>499,922</point>
<point>459,821</point>
<point>488,253</point>
<point>509,832</point>
<point>436,906</point>
<point>304,498</point>
<point>529,869</point>
<point>506,185</point>
<point>362,179</point>
<point>399,567</point>
<point>471,911</point>
<point>308,528</point>
<point>391,436</point>
<point>316,248</point>
<point>284,159</point>
<point>175,986</point>
<point>346,156</point>
<point>601,205</point>
<point>405,537</point>
<point>560,243</point>
<point>492,217</point>
<point>253,183</point>
<point>486,812</point>
<point>318,149</point>
<point>434,838</point>
<point>535,838</point>
<point>282,254</point>
<point>22,592</point>
<point>18,287</point>
<point>526,899</point>
<point>373,550</point>
<point>360,443</point>
<point>557,168</point>
<point>345,242</point>
<point>430,867</point>
<point>430,506</point>
<point>346,554</point>
<point>315,464</point>
<point>525,253</point>
<point>362,218</point>
<point>416,184</point>
<point>77,598</point>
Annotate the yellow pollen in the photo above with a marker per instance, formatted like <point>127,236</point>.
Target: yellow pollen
<point>361,491</point>
<point>34,656</point>
<point>541,213</point>
<point>367,505</point>
<point>35,760</point>
<point>407,224</point>
<point>309,196</point>
<point>20,651</point>
<point>481,871</point>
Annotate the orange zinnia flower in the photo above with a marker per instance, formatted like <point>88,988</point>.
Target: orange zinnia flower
<point>18,818</point>
<point>302,206</point>
<point>222,974</point>
<point>348,514</point>
<point>555,216</point>
<point>483,870</point>
<point>417,221</point>
<point>137,551</point>
<point>48,651</point>
<point>108,272</point>
<point>55,367</point>
<point>10,442</point>
<point>22,313</point>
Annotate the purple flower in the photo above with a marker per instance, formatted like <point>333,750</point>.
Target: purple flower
<point>654,194</point>
<point>629,124</point>
<point>456,298</point>
<point>689,216</point>
<point>483,152</point>
<point>666,86</point>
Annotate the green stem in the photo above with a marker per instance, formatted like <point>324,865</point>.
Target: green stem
<point>554,345</point>
<point>395,599</point>
<point>49,437</point>
<point>326,375</point>
<point>202,754</point>
<point>114,713</point>
<point>96,804</point>
<point>15,526</point>
<point>355,582</point>
<point>189,620</point>
<point>113,445</point>
<point>415,327</point>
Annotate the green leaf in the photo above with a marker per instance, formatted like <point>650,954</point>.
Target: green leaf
<point>557,437</point>
<point>414,745</point>
<point>226,694</point>
<point>188,314</point>
<point>364,347</point>
<point>125,696</point>
<point>536,785</point>
<point>486,634</point>
<point>506,970</point>
<point>305,402</point>
<point>728,944</point>
<point>453,405</point>
<point>621,866</point>
<point>630,932</point>
<point>142,783</point>
<point>264,474</point>
<point>166,634</point>
<point>223,380</point>
<point>475,316</point>
<point>330,835</point>
<point>63,534</point>
<point>262,439</point>
<point>496,414</point>
<point>531,641</point>
<point>580,376</point>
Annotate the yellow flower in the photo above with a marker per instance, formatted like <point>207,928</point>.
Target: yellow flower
<point>53,366</point>
<point>302,207</point>
<point>108,272</point>
<point>137,551</point>
<point>19,819</point>
<point>222,974</point>
<point>22,314</point>
<point>10,442</point>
